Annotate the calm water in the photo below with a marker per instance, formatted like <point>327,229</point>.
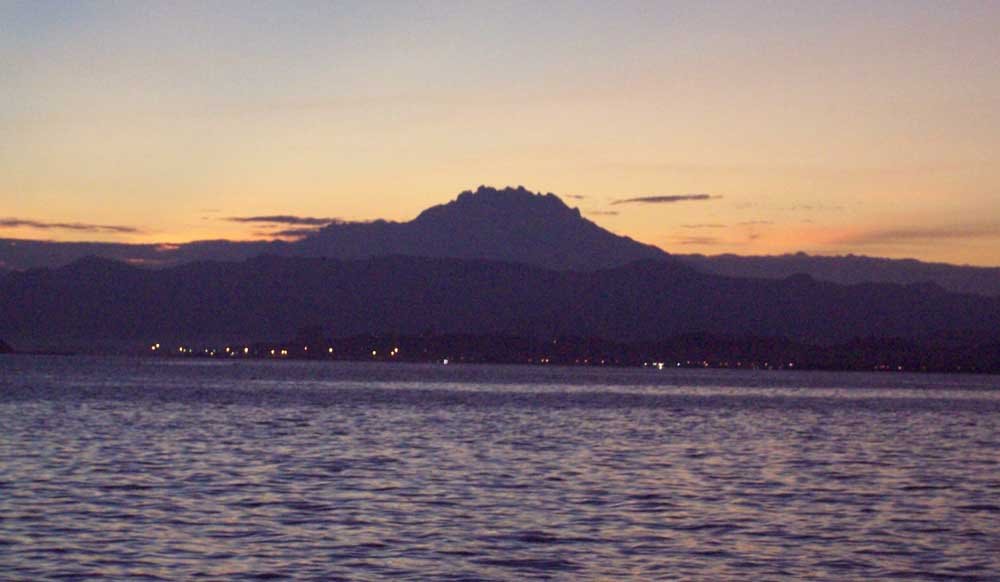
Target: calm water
<point>135,469</point>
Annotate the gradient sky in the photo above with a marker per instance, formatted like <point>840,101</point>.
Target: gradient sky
<point>755,127</point>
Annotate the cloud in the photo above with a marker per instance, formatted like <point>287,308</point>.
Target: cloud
<point>697,240</point>
<point>291,232</point>
<point>754,222</point>
<point>576,196</point>
<point>603,212</point>
<point>77,226</point>
<point>703,226</point>
<point>665,199</point>
<point>921,234</point>
<point>284,219</point>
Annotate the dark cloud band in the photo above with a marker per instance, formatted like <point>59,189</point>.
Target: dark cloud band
<point>77,226</point>
<point>292,232</point>
<point>284,219</point>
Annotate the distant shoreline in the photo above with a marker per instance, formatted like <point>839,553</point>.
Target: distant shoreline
<point>686,351</point>
<point>689,351</point>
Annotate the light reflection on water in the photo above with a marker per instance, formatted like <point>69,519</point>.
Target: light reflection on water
<point>158,469</point>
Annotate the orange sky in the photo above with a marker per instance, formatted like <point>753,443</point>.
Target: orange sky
<point>841,128</point>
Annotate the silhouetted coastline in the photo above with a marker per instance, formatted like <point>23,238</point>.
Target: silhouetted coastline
<point>941,355</point>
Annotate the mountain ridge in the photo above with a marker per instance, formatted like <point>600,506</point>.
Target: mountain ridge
<point>273,297</point>
<point>851,269</point>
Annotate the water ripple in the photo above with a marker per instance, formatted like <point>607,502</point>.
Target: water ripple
<point>150,470</point>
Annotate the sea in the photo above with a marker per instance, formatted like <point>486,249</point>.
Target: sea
<point>173,469</point>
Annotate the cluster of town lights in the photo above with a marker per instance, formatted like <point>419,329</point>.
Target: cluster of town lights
<point>393,354</point>
<point>285,352</point>
<point>229,351</point>
<point>246,351</point>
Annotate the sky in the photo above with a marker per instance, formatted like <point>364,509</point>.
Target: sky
<point>701,127</point>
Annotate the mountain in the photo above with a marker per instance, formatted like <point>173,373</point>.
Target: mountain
<point>852,269</point>
<point>509,224</point>
<point>273,297</point>
<point>512,224</point>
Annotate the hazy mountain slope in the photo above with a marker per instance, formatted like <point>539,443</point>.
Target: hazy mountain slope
<point>853,269</point>
<point>23,254</point>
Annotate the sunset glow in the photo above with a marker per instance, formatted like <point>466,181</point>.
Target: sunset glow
<point>830,128</point>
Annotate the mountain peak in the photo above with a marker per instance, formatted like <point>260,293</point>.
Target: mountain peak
<point>508,194</point>
<point>508,224</point>
<point>498,203</point>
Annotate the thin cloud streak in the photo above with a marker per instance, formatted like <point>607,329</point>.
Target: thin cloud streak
<point>76,226</point>
<point>670,199</point>
<point>697,241</point>
<point>284,219</point>
<point>921,234</point>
